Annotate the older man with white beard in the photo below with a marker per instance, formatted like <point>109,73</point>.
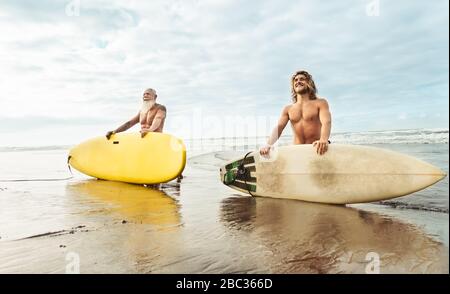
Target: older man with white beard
<point>151,116</point>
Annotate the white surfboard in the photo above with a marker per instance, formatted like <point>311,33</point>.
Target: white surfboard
<point>345,174</point>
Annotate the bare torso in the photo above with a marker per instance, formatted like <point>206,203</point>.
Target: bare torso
<point>305,121</point>
<point>146,119</point>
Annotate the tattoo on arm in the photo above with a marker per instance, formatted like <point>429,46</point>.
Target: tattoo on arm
<point>124,127</point>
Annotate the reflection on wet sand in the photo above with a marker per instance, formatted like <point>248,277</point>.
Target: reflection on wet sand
<point>316,238</point>
<point>112,227</point>
<point>134,203</point>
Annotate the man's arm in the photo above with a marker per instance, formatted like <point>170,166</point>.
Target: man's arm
<point>325,120</point>
<point>157,121</point>
<point>276,133</point>
<point>125,126</point>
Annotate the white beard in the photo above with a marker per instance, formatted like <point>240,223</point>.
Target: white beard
<point>146,105</point>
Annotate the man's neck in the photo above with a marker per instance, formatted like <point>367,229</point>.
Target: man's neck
<point>303,97</point>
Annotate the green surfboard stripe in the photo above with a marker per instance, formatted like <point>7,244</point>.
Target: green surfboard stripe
<point>232,175</point>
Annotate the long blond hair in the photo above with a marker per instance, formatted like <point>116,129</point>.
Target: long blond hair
<point>309,83</point>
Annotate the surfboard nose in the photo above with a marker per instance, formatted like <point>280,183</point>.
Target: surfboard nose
<point>441,174</point>
<point>72,156</point>
<point>69,157</point>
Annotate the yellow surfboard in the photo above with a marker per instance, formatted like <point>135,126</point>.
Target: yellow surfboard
<point>126,157</point>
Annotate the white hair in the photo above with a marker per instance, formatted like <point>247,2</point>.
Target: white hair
<point>151,91</point>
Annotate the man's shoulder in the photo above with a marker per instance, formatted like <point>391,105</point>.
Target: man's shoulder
<point>321,100</point>
<point>287,107</point>
<point>162,107</point>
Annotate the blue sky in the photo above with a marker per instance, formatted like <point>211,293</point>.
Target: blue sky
<point>70,70</point>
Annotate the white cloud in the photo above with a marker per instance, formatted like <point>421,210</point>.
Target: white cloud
<point>223,56</point>
<point>402,116</point>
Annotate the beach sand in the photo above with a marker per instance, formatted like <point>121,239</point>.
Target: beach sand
<point>200,226</point>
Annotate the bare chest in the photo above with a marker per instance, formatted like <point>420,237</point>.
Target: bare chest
<point>304,112</point>
<point>146,118</point>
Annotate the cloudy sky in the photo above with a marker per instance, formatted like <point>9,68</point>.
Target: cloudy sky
<point>70,70</point>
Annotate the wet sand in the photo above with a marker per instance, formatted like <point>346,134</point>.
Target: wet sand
<point>202,226</point>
